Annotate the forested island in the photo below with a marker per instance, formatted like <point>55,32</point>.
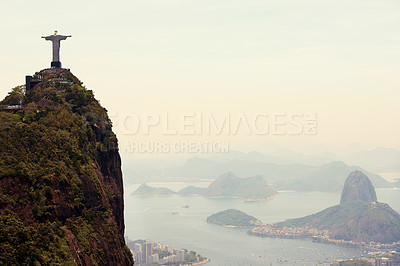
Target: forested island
<point>233,218</point>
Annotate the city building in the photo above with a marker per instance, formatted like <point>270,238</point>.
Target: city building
<point>181,255</point>
<point>153,258</point>
<point>383,262</point>
<point>138,257</point>
<point>137,248</point>
<point>147,251</point>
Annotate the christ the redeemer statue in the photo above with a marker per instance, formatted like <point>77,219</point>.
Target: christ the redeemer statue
<point>56,39</point>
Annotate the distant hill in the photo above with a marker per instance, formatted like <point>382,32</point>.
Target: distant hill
<point>252,156</point>
<point>307,159</point>
<point>233,218</point>
<point>280,165</point>
<point>191,190</point>
<point>145,190</point>
<point>229,185</point>
<point>358,217</point>
<point>328,177</point>
<point>379,159</point>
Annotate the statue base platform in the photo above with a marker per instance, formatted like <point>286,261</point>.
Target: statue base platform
<point>56,64</point>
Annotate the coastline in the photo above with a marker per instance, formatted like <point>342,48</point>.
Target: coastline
<point>382,249</point>
<point>155,195</point>
<point>250,200</point>
<point>234,226</point>
<point>207,260</point>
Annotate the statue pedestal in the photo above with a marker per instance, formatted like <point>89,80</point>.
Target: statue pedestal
<point>56,64</point>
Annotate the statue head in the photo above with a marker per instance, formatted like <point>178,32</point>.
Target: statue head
<point>55,32</point>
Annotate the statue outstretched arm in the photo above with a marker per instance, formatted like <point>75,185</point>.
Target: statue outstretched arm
<point>60,37</point>
<point>63,37</point>
<point>48,38</point>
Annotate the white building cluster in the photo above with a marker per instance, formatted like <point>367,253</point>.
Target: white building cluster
<point>145,254</point>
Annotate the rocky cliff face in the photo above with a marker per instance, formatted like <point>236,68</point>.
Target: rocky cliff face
<point>61,191</point>
<point>359,217</point>
<point>358,187</point>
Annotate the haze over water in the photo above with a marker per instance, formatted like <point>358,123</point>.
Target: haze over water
<point>152,218</point>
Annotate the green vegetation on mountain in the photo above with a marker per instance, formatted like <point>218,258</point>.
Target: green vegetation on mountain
<point>29,244</point>
<point>357,218</point>
<point>15,97</point>
<point>232,217</point>
<point>357,221</point>
<point>61,196</point>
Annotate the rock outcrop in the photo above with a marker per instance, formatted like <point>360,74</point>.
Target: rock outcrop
<point>359,217</point>
<point>358,187</point>
<point>61,190</point>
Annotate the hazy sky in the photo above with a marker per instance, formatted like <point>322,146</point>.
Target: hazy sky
<point>338,59</point>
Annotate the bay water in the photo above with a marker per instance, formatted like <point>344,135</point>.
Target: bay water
<point>162,219</point>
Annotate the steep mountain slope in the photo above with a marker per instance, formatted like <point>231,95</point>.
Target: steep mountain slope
<point>358,187</point>
<point>359,217</point>
<point>61,191</point>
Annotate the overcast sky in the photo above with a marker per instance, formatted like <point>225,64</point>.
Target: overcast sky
<point>338,59</point>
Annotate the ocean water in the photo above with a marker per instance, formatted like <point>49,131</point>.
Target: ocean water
<point>390,176</point>
<point>152,218</point>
